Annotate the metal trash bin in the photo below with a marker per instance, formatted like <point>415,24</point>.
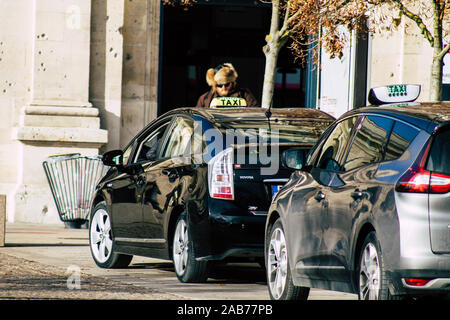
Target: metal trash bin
<point>72,179</point>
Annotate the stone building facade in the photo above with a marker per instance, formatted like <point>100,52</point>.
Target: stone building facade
<point>82,76</point>
<point>67,87</point>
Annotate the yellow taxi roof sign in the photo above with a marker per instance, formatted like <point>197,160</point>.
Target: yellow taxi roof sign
<point>228,102</point>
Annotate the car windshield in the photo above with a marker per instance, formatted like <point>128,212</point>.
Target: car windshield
<point>296,131</point>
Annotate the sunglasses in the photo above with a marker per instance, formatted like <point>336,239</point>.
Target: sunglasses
<point>223,85</point>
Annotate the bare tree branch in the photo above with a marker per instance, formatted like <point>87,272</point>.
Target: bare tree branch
<point>418,20</point>
<point>285,29</point>
<point>444,51</point>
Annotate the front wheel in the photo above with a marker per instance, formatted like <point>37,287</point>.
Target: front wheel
<point>187,268</point>
<point>101,241</point>
<point>279,278</point>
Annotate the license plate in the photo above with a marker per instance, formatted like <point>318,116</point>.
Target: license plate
<point>275,189</point>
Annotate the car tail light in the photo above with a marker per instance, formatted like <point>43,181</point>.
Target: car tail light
<point>220,175</point>
<point>439,183</point>
<point>418,180</point>
<point>414,181</point>
<point>416,282</point>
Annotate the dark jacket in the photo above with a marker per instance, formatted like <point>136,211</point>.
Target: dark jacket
<point>205,99</point>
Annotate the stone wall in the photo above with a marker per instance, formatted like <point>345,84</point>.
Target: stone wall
<point>44,71</point>
<point>106,56</point>
<point>403,57</point>
<point>141,33</point>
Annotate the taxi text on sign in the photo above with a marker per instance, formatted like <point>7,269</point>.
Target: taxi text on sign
<point>224,102</point>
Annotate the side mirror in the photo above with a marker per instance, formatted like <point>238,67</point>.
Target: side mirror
<point>113,158</point>
<point>293,158</point>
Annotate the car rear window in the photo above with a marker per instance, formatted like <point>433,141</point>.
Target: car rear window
<point>401,137</point>
<point>307,131</point>
<point>439,159</point>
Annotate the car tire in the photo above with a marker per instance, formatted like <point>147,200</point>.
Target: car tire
<point>373,281</point>
<point>101,240</point>
<point>187,268</point>
<point>279,278</point>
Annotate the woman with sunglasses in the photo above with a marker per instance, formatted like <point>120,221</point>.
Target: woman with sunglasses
<point>224,90</point>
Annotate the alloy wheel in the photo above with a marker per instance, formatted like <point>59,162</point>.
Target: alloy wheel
<point>101,239</point>
<point>369,275</point>
<point>277,263</point>
<point>180,247</point>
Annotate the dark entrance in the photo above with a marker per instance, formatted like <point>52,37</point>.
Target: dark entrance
<point>210,33</point>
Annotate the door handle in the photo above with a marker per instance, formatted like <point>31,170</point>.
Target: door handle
<point>172,174</point>
<point>140,180</point>
<point>319,196</point>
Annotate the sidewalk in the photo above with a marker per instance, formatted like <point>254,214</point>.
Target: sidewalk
<point>46,243</point>
<point>36,264</point>
<point>39,256</point>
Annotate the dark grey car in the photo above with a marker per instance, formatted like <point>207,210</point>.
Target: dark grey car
<point>370,212</point>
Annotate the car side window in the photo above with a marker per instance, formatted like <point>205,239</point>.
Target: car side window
<point>312,155</point>
<point>179,141</point>
<point>126,154</point>
<point>333,150</point>
<point>401,137</point>
<point>439,159</point>
<point>149,147</point>
<point>369,142</point>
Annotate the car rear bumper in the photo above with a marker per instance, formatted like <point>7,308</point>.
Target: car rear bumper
<point>416,258</point>
<point>434,268</point>
<point>434,284</point>
<point>237,235</point>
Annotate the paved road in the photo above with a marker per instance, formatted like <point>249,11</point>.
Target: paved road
<point>54,246</point>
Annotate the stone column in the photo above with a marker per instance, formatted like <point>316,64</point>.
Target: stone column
<point>105,88</point>
<point>152,60</point>
<point>140,77</point>
<point>59,118</point>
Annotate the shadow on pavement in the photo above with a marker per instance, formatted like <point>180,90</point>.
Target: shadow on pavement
<point>219,274</point>
<point>45,245</point>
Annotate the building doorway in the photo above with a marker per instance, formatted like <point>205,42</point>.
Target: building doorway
<point>210,33</point>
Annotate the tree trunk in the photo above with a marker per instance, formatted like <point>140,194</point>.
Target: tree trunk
<point>269,78</point>
<point>438,55</point>
<point>271,50</point>
<point>436,79</point>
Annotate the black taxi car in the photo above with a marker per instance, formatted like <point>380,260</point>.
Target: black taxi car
<point>195,184</point>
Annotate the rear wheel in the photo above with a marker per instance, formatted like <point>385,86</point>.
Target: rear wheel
<point>187,268</point>
<point>101,241</point>
<point>279,279</point>
<point>372,278</point>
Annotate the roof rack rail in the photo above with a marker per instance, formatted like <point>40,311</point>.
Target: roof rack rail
<point>397,93</point>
